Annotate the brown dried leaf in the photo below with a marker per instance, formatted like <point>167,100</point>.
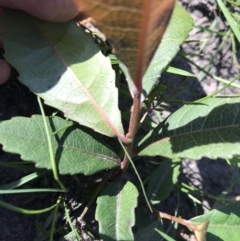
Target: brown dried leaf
<point>202,230</point>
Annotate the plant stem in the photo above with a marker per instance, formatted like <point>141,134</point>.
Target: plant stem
<point>133,126</point>
<point>68,218</point>
<point>50,147</point>
<point>138,176</point>
<point>54,218</point>
<point>26,211</point>
<point>176,219</point>
<point>136,109</point>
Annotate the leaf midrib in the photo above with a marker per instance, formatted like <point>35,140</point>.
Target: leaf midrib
<point>89,95</point>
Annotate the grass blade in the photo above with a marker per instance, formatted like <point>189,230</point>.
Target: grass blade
<point>230,20</point>
<point>21,181</point>
<point>25,211</point>
<point>34,190</point>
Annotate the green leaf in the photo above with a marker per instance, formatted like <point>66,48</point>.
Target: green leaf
<point>210,128</point>
<point>162,181</point>
<point>177,71</point>
<point>224,224</point>
<point>76,150</point>
<point>149,233</point>
<point>165,236</point>
<point>115,211</point>
<point>177,31</point>
<point>61,63</point>
<point>143,218</point>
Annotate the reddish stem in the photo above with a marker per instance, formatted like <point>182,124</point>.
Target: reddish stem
<point>133,126</point>
<point>176,219</point>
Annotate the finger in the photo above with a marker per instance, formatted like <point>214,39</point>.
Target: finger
<point>49,10</point>
<point>1,10</point>
<point>5,71</point>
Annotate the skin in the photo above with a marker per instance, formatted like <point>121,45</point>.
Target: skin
<point>49,10</point>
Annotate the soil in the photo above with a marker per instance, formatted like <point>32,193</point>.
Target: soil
<point>211,176</point>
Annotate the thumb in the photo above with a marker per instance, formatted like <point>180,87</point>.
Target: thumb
<point>5,71</point>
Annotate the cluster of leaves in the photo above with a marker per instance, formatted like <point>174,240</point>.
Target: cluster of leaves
<point>62,64</point>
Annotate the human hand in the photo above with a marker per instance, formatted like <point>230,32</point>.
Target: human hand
<point>49,10</point>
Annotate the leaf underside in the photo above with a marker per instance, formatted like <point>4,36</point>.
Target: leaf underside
<point>76,150</point>
<point>134,28</point>
<point>176,32</point>
<point>224,224</point>
<point>61,63</point>
<point>210,128</point>
<point>115,211</point>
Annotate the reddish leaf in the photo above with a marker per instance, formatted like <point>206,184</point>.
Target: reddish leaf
<point>134,28</point>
